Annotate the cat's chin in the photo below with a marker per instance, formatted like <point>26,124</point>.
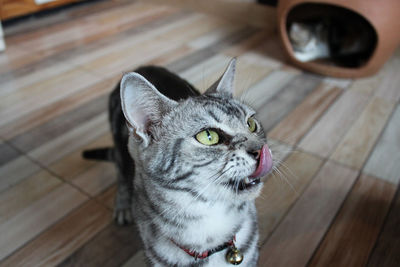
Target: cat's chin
<point>244,185</point>
<point>248,187</point>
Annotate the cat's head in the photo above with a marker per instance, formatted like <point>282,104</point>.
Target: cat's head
<point>211,145</point>
<point>301,35</point>
<point>309,41</point>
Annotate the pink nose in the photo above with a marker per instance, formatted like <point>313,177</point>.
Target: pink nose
<point>264,157</point>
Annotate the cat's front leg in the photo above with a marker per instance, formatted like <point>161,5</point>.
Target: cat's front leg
<point>123,199</point>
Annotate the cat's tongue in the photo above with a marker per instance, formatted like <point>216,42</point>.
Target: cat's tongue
<point>264,163</point>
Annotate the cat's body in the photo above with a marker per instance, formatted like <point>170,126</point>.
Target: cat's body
<point>187,194</point>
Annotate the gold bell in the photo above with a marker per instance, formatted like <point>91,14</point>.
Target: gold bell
<point>234,256</point>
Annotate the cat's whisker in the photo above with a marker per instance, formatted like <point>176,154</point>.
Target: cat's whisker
<point>283,177</point>
<point>279,164</point>
<point>262,197</point>
<point>287,169</point>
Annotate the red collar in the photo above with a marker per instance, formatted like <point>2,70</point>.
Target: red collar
<point>206,253</point>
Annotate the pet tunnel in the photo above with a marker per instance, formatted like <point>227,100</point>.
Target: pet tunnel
<point>380,21</point>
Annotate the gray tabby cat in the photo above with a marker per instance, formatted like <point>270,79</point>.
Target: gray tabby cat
<point>189,168</point>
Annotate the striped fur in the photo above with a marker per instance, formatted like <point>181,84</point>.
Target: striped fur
<point>177,188</point>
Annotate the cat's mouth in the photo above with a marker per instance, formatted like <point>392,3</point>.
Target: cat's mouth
<point>244,184</point>
<point>264,165</point>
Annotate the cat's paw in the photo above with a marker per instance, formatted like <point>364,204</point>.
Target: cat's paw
<point>123,216</point>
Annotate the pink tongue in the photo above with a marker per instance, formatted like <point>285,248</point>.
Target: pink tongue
<point>264,163</point>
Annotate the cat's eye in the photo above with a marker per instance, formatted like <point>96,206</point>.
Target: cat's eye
<point>208,137</point>
<point>252,125</point>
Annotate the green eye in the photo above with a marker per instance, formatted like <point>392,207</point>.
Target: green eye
<point>207,137</point>
<point>252,125</point>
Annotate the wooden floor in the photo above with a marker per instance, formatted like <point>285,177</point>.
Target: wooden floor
<point>336,202</point>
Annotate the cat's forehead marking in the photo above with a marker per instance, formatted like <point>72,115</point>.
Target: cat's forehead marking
<point>196,114</point>
<point>228,115</point>
<point>225,106</point>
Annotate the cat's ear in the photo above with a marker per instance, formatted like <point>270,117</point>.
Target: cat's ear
<point>225,84</point>
<point>142,104</point>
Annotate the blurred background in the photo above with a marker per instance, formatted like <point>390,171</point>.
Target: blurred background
<point>335,200</point>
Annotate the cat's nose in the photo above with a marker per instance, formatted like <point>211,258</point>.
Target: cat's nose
<point>255,154</point>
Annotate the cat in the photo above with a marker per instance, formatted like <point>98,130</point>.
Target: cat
<point>189,168</point>
<point>309,41</point>
<point>348,42</point>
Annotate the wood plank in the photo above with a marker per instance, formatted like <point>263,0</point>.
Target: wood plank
<point>86,49</point>
<point>30,98</point>
<point>133,56</point>
<point>357,144</point>
<point>99,29</point>
<point>71,140</point>
<point>272,48</point>
<point>367,85</point>
<point>384,84</point>
<point>65,237</point>
<point>118,19</point>
<point>201,55</point>
<point>15,97</point>
<point>12,82</point>
<point>330,129</point>
<point>34,219</point>
<point>383,161</point>
<point>280,151</point>
<point>389,87</point>
<point>235,11</point>
<point>387,248</point>
<point>53,24</point>
<point>249,73</point>
<point>353,234</point>
<point>266,88</point>
<point>13,200</point>
<point>198,73</point>
<point>247,44</point>
<point>84,10</point>
<point>302,118</point>
<point>280,193</point>
<point>298,235</point>
<point>16,170</point>
<point>276,108</point>
<point>110,248</point>
<point>96,179</point>
<point>130,38</point>
<point>7,153</point>
<point>137,260</point>
<point>115,18</point>
<point>212,37</point>
<point>10,59</point>
<point>53,129</point>
<point>205,74</point>
<point>172,55</point>
<point>59,108</point>
<point>108,196</point>
<point>255,57</point>
<point>73,164</point>
<point>83,53</point>
<point>338,82</point>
